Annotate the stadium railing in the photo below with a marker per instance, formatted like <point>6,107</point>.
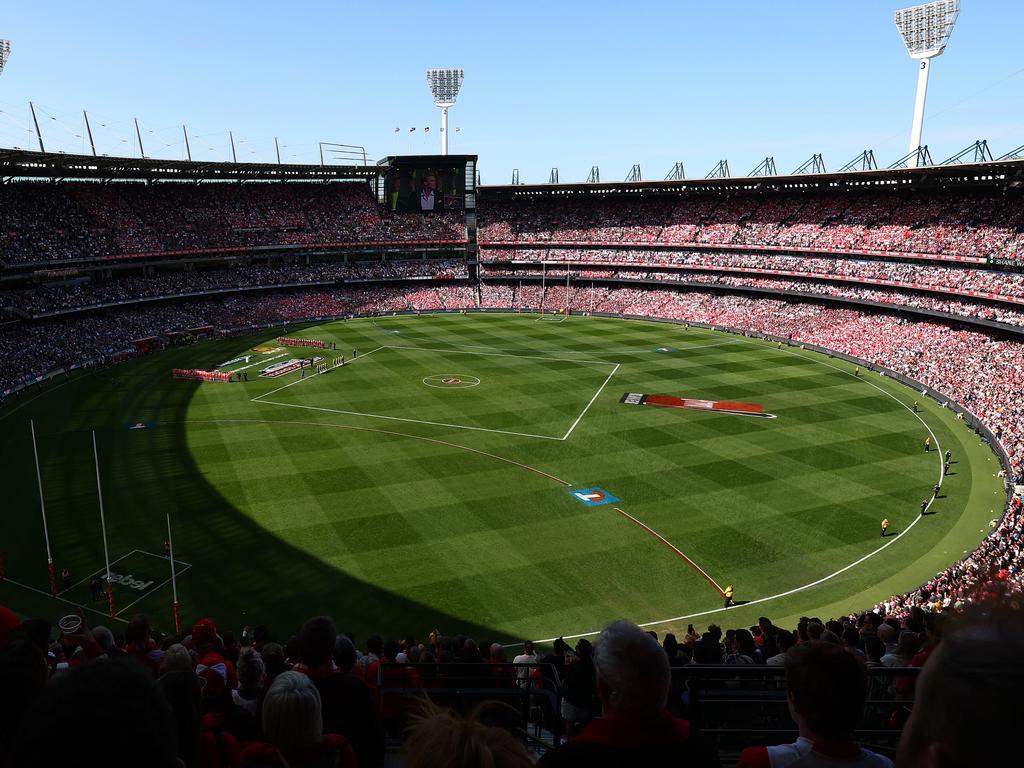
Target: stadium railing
<point>739,706</point>
<point>531,703</point>
<point>733,706</point>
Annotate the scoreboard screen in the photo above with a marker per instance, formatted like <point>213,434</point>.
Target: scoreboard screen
<point>425,184</point>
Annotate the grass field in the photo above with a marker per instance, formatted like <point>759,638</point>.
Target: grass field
<point>429,482</point>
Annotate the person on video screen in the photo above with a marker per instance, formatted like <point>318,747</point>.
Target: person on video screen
<point>428,198</point>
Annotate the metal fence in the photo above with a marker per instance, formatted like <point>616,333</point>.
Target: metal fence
<point>732,706</point>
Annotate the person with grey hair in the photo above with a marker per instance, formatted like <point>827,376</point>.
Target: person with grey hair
<point>176,659</point>
<point>293,729</point>
<point>633,679</point>
<point>251,671</point>
<point>105,638</point>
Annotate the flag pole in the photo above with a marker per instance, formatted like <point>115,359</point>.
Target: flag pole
<point>174,581</point>
<point>103,527</point>
<point>42,507</point>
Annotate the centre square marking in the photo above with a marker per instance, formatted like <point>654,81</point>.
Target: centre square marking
<point>378,386</point>
<point>594,497</point>
<point>451,381</point>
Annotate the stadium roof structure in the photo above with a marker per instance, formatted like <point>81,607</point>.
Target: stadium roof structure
<point>1008,172</point>
<point>25,164</point>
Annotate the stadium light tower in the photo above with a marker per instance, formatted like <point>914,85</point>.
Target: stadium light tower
<point>5,51</point>
<point>444,86</point>
<point>925,30</point>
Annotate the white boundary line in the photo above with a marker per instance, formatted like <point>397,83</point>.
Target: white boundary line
<point>161,557</point>
<point>97,572</point>
<point>353,428</point>
<point>61,599</point>
<point>441,376</point>
<point>155,589</point>
<point>410,421</point>
<point>258,362</point>
<point>823,579</point>
<point>117,616</point>
<point>596,395</point>
<point>259,398</point>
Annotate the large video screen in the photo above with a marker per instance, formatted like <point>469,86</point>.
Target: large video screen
<point>425,186</point>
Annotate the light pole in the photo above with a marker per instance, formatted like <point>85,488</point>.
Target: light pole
<point>444,86</point>
<point>925,30</point>
<point>5,52</point>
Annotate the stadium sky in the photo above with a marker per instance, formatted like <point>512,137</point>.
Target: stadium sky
<point>548,84</point>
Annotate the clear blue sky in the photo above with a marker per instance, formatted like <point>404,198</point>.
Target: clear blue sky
<point>556,83</point>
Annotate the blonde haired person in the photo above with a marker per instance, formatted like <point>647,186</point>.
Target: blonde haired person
<point>293,729</point>
<point>438,738</point>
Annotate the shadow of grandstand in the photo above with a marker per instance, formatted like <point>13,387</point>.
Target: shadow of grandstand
<point>241,574</point>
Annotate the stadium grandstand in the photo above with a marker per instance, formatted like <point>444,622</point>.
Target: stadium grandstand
<point>340,464</point>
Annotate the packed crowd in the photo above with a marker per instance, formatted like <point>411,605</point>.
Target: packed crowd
<point>949,223</point>
<point>919,297</point>
<point>208,698</point>
<point>86,292</point>
<point>61,222</point>
<point>938,278</point>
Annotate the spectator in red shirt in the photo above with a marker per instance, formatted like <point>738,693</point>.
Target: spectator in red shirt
<point>211,666</point>
<point>140,644</point>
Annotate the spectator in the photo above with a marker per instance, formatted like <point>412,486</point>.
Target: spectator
<point>293,729</point>
<point>437,738</point>
<point>526,659</point>
<point>72,719</point>
<point>579,687</point>
<point>347,706</point>
<point>635,729</point>
<point>251,673</point>
<point>827,688</point>
<point>785,640</point>
<point>968,709</point>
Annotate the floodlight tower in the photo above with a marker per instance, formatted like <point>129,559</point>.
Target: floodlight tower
<point>444,86</point>
<point>5,51</point>
<point>925,30</point>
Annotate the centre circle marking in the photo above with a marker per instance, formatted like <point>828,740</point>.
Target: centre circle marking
<point>451,381</point>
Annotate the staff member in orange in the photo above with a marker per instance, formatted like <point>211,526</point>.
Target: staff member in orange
<point>885,526</point>
<point>728,595</point>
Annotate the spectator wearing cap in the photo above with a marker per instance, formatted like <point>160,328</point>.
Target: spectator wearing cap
<point>217,674</point>
<point>632,684</point>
